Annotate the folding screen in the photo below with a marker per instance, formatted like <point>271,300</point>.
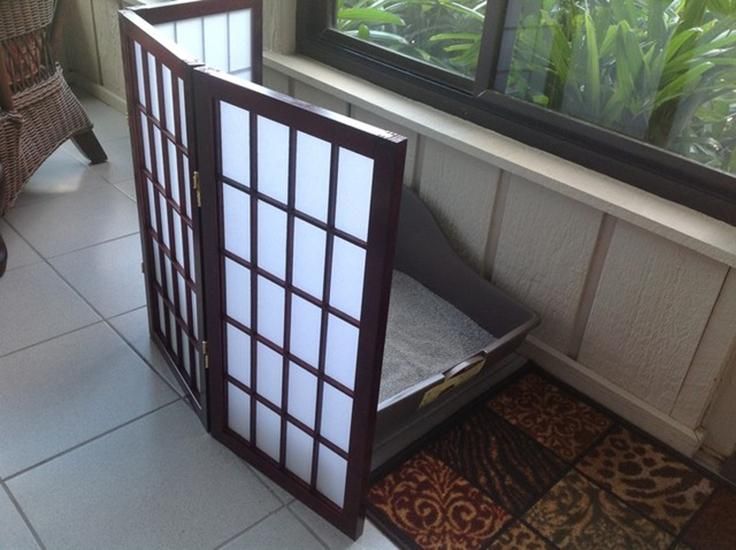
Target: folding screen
<point>268,228</point>
<point>159,82</point>
<point>300,209</point>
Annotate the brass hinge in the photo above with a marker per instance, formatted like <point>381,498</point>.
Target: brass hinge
<point>206,355</point>
<point>197,186</point>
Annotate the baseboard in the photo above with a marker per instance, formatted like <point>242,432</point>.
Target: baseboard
<point>100,92</point>
<point>682,438</point>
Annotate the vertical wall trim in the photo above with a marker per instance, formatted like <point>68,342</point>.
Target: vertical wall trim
<point>416,178</point>
<point>494,229</point>
<point>590,288</point>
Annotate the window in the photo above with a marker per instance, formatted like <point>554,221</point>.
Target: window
<point>643,90</point>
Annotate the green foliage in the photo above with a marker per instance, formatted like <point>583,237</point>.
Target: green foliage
<point>663,71</point>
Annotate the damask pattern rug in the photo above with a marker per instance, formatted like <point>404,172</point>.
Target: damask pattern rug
<point>536,466</point>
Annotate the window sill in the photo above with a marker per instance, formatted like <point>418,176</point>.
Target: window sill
<point>672,221</point>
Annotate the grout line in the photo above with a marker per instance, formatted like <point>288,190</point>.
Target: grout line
<point>92,439</point>
<point>244,531</point>
<point>591,284</point>
<point>23,516</point>
<point>87,247</point>
<point>494,228</point>
<point>309,527</point>
<point>52,338</point>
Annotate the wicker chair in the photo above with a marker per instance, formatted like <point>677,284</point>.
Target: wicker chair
<point>38,111</point>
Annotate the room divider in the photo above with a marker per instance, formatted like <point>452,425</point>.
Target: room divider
<point>269,229</point>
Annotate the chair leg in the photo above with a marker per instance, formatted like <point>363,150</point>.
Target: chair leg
<point>88,145</point>
<point>3,256</point>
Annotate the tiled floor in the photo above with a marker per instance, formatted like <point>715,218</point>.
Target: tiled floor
<point>97,447</point>
<point>535,466</point>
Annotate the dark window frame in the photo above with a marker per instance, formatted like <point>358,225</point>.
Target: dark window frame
<point>666,174</point>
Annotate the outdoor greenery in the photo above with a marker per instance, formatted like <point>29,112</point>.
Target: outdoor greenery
<point>663,71</point>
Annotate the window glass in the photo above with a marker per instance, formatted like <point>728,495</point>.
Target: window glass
<point>442,33</point>
<point>661,71</point>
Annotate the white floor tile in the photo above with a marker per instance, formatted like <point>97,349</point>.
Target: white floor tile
<point>66,391</point>
<point>119,165</point>
<point>109,124</point>
<point>283,495</point>
<point>160,482</point>
<point>61,175</point>
<point>19,253</point>
<point>37,305</point>
<point>372,538</point>
<point>281,530</point>
<point>107,275</point>
<point>70,223</point>
<point>127,187</point>
<point>134,328</point>
<point>14,534</point>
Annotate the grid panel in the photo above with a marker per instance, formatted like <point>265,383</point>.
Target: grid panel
<point>288,279</point>
<point>221,40</point>
<point>161,115</point>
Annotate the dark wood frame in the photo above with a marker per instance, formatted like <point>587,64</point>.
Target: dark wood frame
<point>655,170</point>
<point>388,151</point>
<point>136,25</point>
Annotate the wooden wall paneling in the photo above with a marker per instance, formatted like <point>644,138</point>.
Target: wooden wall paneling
<point>711,358</point>
<point>719,421</point>
<point>380,122</point>
<point>78,29</point>
<point>275,80</point>
<point>543,253</point>
<point>108,42</point>
<point>650,311</point>
<point>460,190</point>
<point>279,26</point>
<point>312,95</point>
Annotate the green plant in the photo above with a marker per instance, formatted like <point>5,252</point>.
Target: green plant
<point>663,71</point>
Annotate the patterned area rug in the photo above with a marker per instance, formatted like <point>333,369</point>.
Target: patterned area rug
<point>536,466</point>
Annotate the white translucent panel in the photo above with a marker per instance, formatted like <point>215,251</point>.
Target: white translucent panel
<point>187,186</point>
<point>167,29</point>
<point>270,368</point>
<point>273,159</point>
<point>236,214</point>
<point>354,191</point>
<point>169,280</point>
<point>178,239</point>
<point>245,74</point>
<point>238,411</point>
<point>195,316</point>
<point>237,292</point>
<point>271,311</point>
<point>161,316</point>
<point>302,395</point>
<point>235,142</point>
<point>139,74</point>
<point>341,356</point>
<point>146,143</point>
<point>215,41</point>
<point>192,259</point>
<point>152,206</point>
<point>157,262</point>
<point>240,40</point>
<point>174,334</point>
<point>337,416</point>
<point>186,353</point>
<point>168,99</point>
<point>306,324</point>
<point>173,172</point>
<point>309,258</point>
<point>299,447</point>
<point>332,472</point>
<point>272,239</point>
<point>348,273</point>
<point>189,36</point>
<point>238,355</point>
<point>182,287</point>
<point>153,86</point>
<point>268,431</point>
<point>183,113</point>
<point>312,175</point>
<point>164,213</point>
<point>160,172</point>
